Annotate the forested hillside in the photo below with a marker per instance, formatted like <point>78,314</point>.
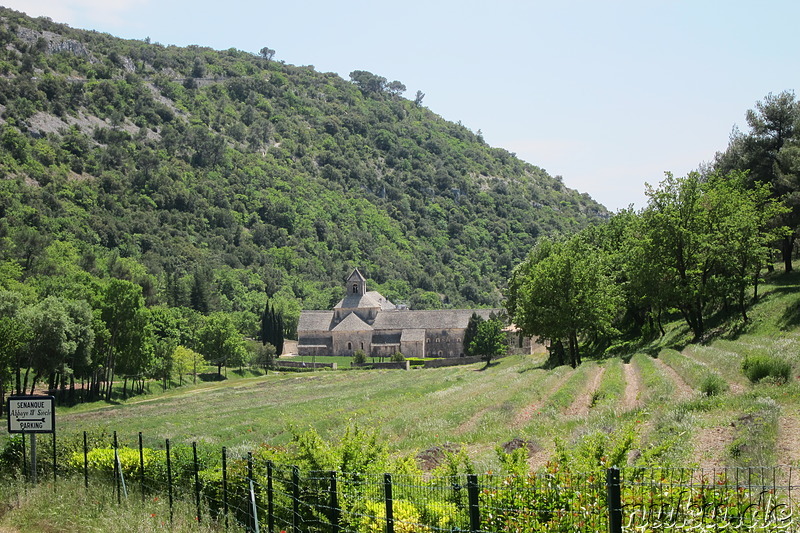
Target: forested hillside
<point>154,196</point>
<point>239,172</point>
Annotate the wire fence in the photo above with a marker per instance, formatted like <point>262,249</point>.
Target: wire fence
<point>255,494</point>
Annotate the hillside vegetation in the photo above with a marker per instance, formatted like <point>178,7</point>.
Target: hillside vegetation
<point>182,167</point>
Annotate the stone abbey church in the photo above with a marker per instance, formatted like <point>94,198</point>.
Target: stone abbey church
<point>369,322</point>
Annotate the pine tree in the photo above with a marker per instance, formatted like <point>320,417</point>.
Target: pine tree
<point>272,327</point>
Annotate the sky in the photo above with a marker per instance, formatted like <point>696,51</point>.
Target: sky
<point>607,94</point>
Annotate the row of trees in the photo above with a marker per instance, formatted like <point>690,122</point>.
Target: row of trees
<point>697,249</point>
<point>115,337</point>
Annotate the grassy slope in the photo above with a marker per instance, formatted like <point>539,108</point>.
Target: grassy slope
<point>483,408</point>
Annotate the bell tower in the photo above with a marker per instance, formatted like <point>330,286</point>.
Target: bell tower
<point>356,284</point>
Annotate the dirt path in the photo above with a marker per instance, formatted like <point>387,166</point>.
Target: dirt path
<point>633,388</point>
<point>682,389</point>
<point>710,446</point>
<point>526,414</point>
<point>582,404</point>
<point>787,447</point>
<point>472,423</point>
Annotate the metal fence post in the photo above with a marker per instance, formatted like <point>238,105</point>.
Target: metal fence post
<point>270,501</point>
<point>141,464</point>
<point>334,504</point>
<point>250,526</point>
<point>474,503</point>
<point>169,481</point>
<point>614,491</point>
<point>55,463</point>
<point>295,499</point>
<point>225,485</point>
<point>196,480</point>
<point>116,469</point>
<point>387,494</point>
<point>85,461</point>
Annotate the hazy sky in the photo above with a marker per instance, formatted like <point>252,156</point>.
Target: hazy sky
<point>607,94</point>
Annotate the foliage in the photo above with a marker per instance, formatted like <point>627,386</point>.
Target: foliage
<point>359,357</point>
<point>758,367</point>
<point>563,290</point>
<point>210,178</point>
<point>713,385</point>
<point>490,340</point>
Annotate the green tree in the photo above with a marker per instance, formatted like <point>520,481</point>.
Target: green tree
<point>272,328</point>
<point>15,335</point>
<point>267,53</point>
<point>490,340</point>
<point>706,241</point>
<point>128,337</point>
<point>769,151</point>
<point>220,342</point>
<point>184,361</point>
<point>562,291</point>
<point>471,332</point>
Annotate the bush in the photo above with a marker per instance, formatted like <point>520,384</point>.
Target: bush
<point>398,358</point>
<point>713,385</point>
<point>359,357</point>
<point>759,367</point>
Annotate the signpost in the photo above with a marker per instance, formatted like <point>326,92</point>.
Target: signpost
<point>32,415</point>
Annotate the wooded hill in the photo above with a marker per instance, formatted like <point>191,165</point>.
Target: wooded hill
<point>209,177</point>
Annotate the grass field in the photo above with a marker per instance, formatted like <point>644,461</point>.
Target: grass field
<point>514,398</point>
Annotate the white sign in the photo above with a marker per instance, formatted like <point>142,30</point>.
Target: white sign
<point>31,414</point>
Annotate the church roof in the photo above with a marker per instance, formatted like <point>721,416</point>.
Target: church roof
<point>315,321</point>
<point>392,320</point>
<point>372,299</point>
<point>412,335</point>
<point>356,275</point>
<point>438,319</point>
<point>352,323</point>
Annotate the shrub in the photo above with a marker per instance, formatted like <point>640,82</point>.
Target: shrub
<point>359,357</point>
<point>758,367</point>
<point>398,358</point>
<point>713,384</point>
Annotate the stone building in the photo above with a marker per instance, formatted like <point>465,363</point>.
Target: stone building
<point>365,320</point>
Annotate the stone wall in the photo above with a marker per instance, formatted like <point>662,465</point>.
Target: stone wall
<point>300,364</point>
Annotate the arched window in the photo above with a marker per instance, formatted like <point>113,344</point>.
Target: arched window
<point>362,345</point>
<point>355,288</point>
<point>349,345</point>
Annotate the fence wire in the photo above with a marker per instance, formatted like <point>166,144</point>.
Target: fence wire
<point>288,499</point>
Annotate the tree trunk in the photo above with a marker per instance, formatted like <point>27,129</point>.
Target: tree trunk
<point>787,245</point>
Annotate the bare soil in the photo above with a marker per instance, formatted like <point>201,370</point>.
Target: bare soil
<point>583,403</point>
<point>710,446</point>
<point>633,388</point>
<point>527,413</point>
<point>682,389</point>
<point>788,445</point>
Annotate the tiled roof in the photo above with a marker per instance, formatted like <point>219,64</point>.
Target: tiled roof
<point>352,323</point>
<point>315,321</point>
<point>357,275</point>
<point>369,300</point>
<point>438,319</point>
<point>413,335</point>
<point>393,319</point>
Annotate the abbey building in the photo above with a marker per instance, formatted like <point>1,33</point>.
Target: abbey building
<point>365,320</point>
